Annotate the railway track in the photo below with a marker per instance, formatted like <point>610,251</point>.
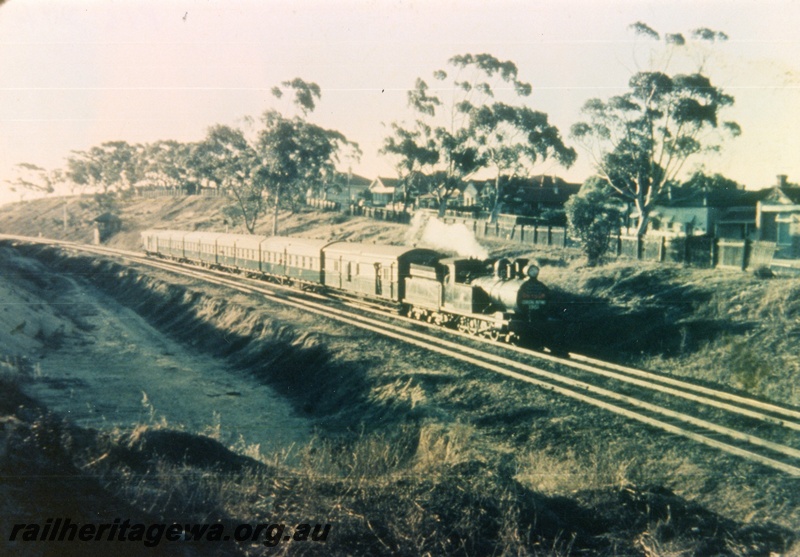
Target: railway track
<point>755,430</point>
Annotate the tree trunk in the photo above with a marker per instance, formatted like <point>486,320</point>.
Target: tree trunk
<point>496,204</point>
<point>442,206</point>
<point>275,212</point>
<point>644,218</point>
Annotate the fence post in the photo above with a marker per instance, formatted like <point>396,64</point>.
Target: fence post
<point>746,254</point>
<point>712,249</point>
<point>639,247</point>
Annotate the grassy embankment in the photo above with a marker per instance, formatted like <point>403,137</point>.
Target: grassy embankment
<point>436,460</point>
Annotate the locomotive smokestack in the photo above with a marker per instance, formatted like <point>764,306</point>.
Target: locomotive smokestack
<point>501,268</point>
<point>519,267</point>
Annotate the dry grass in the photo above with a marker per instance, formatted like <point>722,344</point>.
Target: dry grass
<point>413,457</point>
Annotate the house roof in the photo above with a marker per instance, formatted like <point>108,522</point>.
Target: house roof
<point>106,218</point>
<point>342,178</point>
<point>782,195</point>
<point>542,190</point>
<point>713,198</point>
<point>384,185</point>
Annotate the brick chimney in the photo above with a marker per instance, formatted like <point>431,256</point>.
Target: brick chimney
<point>782,180</point>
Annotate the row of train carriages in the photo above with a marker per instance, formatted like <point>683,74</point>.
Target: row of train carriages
<point>500,299</point>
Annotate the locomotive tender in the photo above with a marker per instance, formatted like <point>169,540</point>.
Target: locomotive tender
<point>499,299</point>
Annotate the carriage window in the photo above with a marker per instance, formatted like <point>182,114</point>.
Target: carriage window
<point>349,271</point>
<point>335,265</point>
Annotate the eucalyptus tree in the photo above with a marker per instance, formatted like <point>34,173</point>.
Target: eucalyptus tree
<point>466,129</point>
<point>414,151</point>
<point>167,164</point>
<point>226,159</point>
<point>33,178</point>
<point>513,139</point>
<point>294,154</point>
<point>641,140</point>
<point>700,181</point>
<point>111,166</point>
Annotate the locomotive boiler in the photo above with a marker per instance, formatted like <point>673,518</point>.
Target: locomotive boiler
<point>500,299</point>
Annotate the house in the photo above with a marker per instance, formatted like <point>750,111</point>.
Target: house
<point>723,213</point>
<point>383,190</point>
<point>778,218</point>
<point>471,193</point>
<point>346,188</point>
<point>535,195</point>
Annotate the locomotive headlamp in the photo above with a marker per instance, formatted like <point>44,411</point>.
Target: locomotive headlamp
<point>532,271</point>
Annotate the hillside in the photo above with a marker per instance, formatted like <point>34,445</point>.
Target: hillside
<point>725,327</point>
<point>45,217</point>
<point>409,454</point>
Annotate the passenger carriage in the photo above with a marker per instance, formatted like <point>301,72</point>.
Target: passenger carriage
<point>372,270</point>
<point>164,242</point>
<point>201,246</point>
<point>237,251</point>
<point>294,258</point>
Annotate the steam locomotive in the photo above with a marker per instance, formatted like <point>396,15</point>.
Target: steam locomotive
<point>499,299</point>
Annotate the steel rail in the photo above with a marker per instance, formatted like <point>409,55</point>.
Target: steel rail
<point>479,359</point>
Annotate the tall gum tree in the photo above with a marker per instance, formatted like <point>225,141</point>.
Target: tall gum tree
<point>473,121</point>
<point>227,159</point>
<point>271,167</point>
<point>33,178</point>
<point>111,166</point>
<point>294,154</point>
<point>414,151</point>
<point>641,140</point>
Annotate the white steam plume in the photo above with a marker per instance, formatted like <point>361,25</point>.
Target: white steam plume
<point>456,237</point>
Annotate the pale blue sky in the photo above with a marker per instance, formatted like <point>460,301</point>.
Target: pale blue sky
<point>76,73</point>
